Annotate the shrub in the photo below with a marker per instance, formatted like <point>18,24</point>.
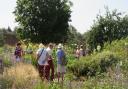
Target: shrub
<point>120,47</point>
<point>116,52</point>
<point>91,65</point>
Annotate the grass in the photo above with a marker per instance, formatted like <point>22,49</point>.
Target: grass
<point>108,66</point>
<point>20,76</point>
<point>113,79</point>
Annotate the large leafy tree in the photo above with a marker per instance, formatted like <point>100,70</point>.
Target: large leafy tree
<point>106,28</point>
<point>43,20</point>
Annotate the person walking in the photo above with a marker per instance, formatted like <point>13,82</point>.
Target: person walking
<point>50,61</point>
<point>42,63</point>
<point>60,66</point>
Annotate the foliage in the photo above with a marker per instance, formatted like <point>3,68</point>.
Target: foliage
<point>110,80</point>
<point>22,76</point>
<point>1,50</point>
<point>74,37</point>
<point>106,69</point>
<point>2,31</point>
<point>7,36</point>
<point>7,62</point>
<point>99,62</point>
<point>111,26</point>
<point>5,82</point>
<point>92,65</point>
<point>121,48</point>
<point>43,20</point>
<point>5,56</point>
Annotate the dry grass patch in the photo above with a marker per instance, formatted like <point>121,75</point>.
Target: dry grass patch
<point>21,76</point>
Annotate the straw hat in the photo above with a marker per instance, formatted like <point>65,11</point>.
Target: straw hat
<point>41,45</point>
<point>60,46</point>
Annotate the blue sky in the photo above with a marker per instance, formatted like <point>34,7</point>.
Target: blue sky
<point>83,12</point>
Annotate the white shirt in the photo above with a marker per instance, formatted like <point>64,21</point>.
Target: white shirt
<point>41,60</point>
<point>49,51</point>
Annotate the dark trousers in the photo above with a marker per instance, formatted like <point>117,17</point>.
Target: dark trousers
<point>44,71</point>
<point>47,68</point>
<point>51,67</point>
<point>41,71</point>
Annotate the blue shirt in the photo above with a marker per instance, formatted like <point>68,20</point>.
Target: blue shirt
<point>60,55</point>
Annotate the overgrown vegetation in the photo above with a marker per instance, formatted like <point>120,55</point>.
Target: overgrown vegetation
<point>107,28</point>
<point>107,69</point>
<point>103,68</point>
<point>99,62</point>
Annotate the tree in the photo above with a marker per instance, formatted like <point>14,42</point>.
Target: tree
<point>9,29</point>
<point>74,37</point>
<point>106,28</point>
<point>7,37</point>
<point>43,20</point>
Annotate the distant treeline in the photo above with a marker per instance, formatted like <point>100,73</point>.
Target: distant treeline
<point>7,36</point>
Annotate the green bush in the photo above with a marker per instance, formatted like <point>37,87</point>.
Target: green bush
<point>99,62</point>
<point>120,47</point>
<point>91,65</point>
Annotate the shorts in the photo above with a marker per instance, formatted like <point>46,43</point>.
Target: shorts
<point>61,68</point>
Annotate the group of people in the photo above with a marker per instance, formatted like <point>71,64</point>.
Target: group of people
<point>44,59</point>
<point>79,52</point>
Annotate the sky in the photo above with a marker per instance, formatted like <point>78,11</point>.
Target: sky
<point>82,16</point>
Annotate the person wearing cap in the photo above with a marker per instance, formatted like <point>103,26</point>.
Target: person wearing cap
<point>60,68</point>
<point>50,61</point>
<point>42,57</point>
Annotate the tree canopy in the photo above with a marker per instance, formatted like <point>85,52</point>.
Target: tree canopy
<point>43,20</point>
<point>111,26</point>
